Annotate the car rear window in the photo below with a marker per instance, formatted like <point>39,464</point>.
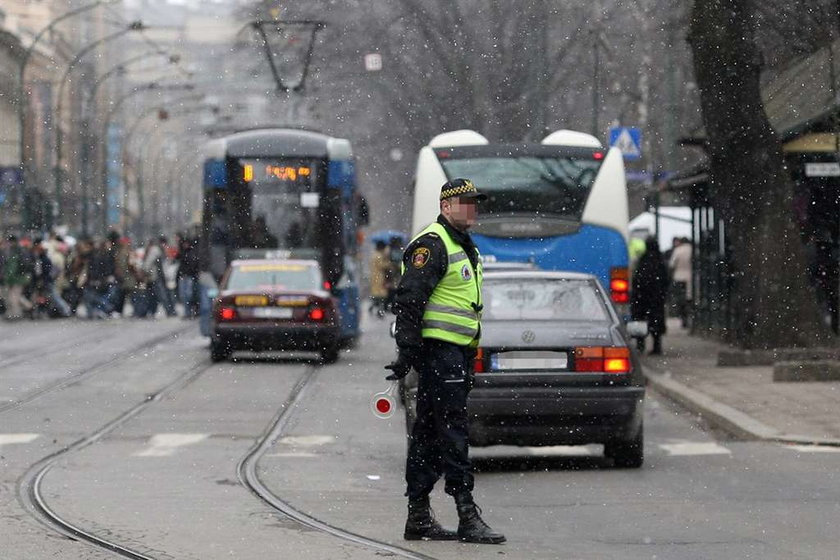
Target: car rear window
<point>543,299</point>
<point>273,276</point>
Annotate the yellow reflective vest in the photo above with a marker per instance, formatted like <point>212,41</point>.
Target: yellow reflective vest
<point>453,311</point>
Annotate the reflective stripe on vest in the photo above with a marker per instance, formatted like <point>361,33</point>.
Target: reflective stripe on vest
<point>450,314</point>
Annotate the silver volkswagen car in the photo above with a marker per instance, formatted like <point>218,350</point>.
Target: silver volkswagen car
<point>555,367</point>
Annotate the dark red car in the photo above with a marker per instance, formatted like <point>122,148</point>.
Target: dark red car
<point>274,305</point>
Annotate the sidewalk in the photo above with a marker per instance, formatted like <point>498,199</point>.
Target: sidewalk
<point>744,401</point>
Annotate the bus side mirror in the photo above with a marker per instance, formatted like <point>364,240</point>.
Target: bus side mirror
<point>393,330</point>
<point>637,329</point>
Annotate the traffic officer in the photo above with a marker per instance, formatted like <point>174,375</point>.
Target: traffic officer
<point>438,309</point>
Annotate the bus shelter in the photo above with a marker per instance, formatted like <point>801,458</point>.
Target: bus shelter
<point>801,103</point>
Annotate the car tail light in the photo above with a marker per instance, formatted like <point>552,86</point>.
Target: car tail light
<point>478,361</point>
<point>619,285</point>
<point>317,314</point>
<point>602,359</point>
<point>227,313</point>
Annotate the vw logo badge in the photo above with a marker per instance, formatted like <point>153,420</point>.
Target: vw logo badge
<point>528,336</point>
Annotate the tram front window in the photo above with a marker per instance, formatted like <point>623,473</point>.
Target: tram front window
<point>284,202</point>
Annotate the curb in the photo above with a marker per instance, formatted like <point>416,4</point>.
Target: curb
<point>723,416</point>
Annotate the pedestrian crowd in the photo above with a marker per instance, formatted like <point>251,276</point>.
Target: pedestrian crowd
<point>97,278</point>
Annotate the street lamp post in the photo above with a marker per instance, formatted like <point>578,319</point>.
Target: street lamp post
<point>133,26</point>
<point>116,106</point>
<point>88,175</point>
<point>22,95</point>
<point>128,137</point>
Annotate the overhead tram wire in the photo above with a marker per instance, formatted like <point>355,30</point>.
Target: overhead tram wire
<point>149,41</point>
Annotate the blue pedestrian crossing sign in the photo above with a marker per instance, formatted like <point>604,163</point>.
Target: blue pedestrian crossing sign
<point>628,140</point>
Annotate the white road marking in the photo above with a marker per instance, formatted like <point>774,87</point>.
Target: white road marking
<point>510,452</point>
<point>687,448</point>
<point>290,445</point>
<point>306,441</point>
<point>293,454</point>
<point>163,445</point>
<point>9,439</point>
<point>564,450</point>
<point>814,448</point>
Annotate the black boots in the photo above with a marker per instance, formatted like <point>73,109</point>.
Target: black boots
<point>422,526</point>
<point>471,528</point>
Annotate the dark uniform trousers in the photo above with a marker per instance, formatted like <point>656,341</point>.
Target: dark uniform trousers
<point>439,442</point>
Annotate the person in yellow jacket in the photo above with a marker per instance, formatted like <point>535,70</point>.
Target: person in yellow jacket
<point>438,308</point>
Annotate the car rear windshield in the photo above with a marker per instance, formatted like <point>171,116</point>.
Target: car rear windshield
<point>536,181</point>
<point>543,299</point>
<point>273,277</point>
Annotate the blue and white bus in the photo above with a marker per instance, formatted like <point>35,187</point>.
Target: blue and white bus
<point>284,193</point>
<point>560,204</point>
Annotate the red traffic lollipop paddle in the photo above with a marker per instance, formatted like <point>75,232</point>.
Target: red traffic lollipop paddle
<point>383,404</point>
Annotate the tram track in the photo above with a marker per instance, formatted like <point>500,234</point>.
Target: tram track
<point>27,355</point>
<point>30,492</point>
<point>84,372</point>
<point>247,472</point>
<point>29,485</point>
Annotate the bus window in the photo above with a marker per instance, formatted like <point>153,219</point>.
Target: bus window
<point>538,186</point>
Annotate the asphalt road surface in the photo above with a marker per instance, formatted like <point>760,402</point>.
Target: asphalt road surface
<point>120,439</point>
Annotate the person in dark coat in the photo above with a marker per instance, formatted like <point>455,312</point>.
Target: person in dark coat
<point>648,294</point>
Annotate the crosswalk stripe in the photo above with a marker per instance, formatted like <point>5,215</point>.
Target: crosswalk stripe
<point>814,448</point>
<point>163,445</point>
<point>9,439</point>
<point>689,448</point>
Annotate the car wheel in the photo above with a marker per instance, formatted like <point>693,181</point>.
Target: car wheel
<point>219,350</point>
<point>627,454</point>
<point>329,354</point>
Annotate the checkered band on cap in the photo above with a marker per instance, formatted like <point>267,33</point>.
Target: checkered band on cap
<point>457,187</point>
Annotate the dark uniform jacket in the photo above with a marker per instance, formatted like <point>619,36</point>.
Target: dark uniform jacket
<point>421,276</point>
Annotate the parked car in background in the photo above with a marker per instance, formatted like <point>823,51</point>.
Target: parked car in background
<point>274,304</point>
<point>555,367</point>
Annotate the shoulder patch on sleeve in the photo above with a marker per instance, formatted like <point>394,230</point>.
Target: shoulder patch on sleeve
<point>420,257</point>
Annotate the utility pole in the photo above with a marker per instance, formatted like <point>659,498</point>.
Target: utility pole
<point>596,66</point>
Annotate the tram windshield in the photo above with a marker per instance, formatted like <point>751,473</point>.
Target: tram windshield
<point>284,200</point>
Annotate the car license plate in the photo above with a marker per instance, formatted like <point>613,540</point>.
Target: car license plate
<point>273,312</point>
<point>529,361</point>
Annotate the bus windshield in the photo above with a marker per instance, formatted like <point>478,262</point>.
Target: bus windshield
<point>533,185</point>
<point>284,202</point>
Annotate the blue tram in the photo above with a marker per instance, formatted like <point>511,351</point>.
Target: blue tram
<point>284,193</point>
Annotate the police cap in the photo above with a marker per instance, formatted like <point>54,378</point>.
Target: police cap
<point>461,188</point>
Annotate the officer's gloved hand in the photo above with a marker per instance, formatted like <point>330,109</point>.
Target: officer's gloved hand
<point>402,365</point>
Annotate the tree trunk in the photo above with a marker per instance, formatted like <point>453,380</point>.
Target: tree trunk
<point>773,303</point>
